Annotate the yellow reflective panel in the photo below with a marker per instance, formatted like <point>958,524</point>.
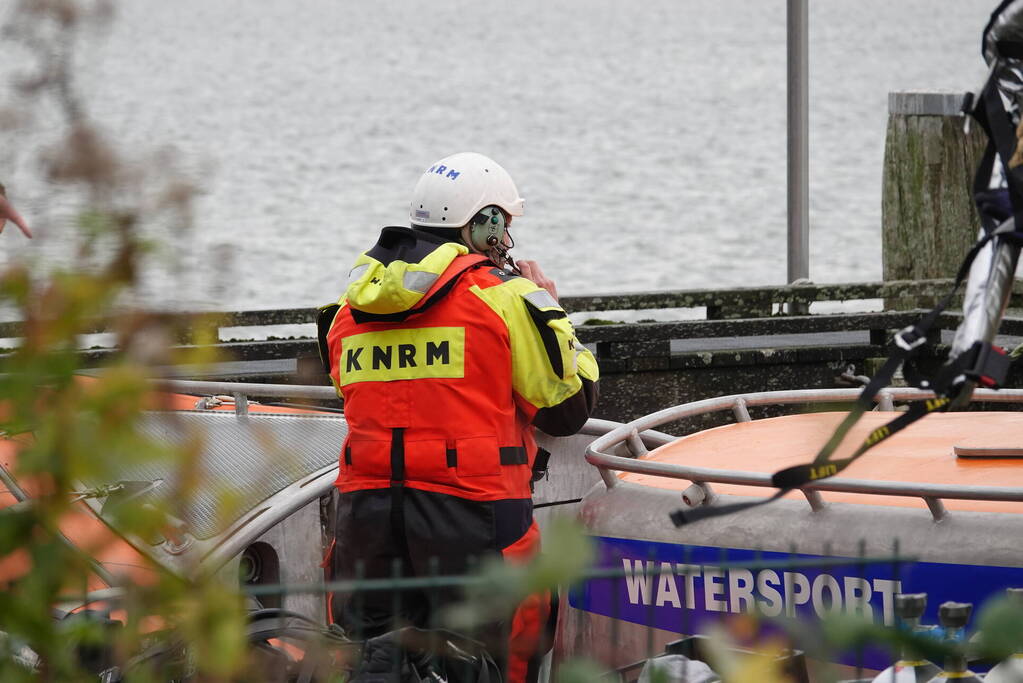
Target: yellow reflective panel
<point>403,354</point>
<point>380,289</point>
<point>398,286</point>
<point>533,376</point>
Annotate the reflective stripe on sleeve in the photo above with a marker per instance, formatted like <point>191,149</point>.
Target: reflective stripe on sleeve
<point>541,298</point>
<point>418,281</point>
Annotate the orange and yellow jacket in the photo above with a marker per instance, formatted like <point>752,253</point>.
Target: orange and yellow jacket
<point>445,363</point>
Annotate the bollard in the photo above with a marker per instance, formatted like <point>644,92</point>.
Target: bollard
<point>927,214</point>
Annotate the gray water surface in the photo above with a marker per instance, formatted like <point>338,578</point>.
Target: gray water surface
<point>647,138</point>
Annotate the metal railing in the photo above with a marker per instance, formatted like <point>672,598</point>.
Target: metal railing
<point>241,392</point>
<point>597,453</point>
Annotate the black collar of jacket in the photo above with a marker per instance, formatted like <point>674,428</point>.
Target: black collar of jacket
<point>404,244</point>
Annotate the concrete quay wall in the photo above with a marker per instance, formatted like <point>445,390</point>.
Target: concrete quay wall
<point>652,365</point>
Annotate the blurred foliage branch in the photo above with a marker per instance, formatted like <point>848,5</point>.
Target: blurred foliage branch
<point>61,428</point>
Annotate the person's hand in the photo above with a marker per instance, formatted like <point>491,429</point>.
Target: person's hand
<point>7,212</point>
<point>531,271</point>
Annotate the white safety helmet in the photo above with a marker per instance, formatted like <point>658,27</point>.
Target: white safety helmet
<point>453,190</point>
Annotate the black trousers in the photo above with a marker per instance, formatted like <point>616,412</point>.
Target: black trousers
<point>404,532</point>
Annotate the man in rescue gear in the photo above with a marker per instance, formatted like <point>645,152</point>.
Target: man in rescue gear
<point>447,355</point>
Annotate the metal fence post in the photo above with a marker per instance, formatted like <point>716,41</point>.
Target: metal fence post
<point>798,144</point>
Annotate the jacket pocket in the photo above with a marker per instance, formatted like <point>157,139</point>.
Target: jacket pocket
<point>368,458</point>
<point>426,461</point>
<point>478,457</point>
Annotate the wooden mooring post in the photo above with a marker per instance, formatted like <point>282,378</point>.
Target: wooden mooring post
<point>928,218</point>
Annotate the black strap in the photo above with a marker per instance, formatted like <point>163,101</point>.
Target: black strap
<point>324,320</point>
<point>792,478</point>
<point>800,475</point>
<point>513,455</point>
<point>553,503</point>
<point>397,516</point>
<point>547,334</point>
<point>398,456</point>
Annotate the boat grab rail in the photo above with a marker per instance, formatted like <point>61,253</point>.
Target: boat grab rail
<point>598,455</point>
<point>593,426</point>
<point>239,392</point>
<point>246,389</point>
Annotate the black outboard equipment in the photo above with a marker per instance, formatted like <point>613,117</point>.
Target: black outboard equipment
<point>998,193</point>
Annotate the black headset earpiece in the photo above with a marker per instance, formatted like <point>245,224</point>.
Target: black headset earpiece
<point>487,228</point>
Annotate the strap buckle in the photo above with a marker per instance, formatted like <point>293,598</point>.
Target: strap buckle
<point>910,338</point>
<point>986,364</point>
<point>540,471</point>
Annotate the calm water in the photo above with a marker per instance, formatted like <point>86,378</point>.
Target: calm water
<point>648,138</point>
